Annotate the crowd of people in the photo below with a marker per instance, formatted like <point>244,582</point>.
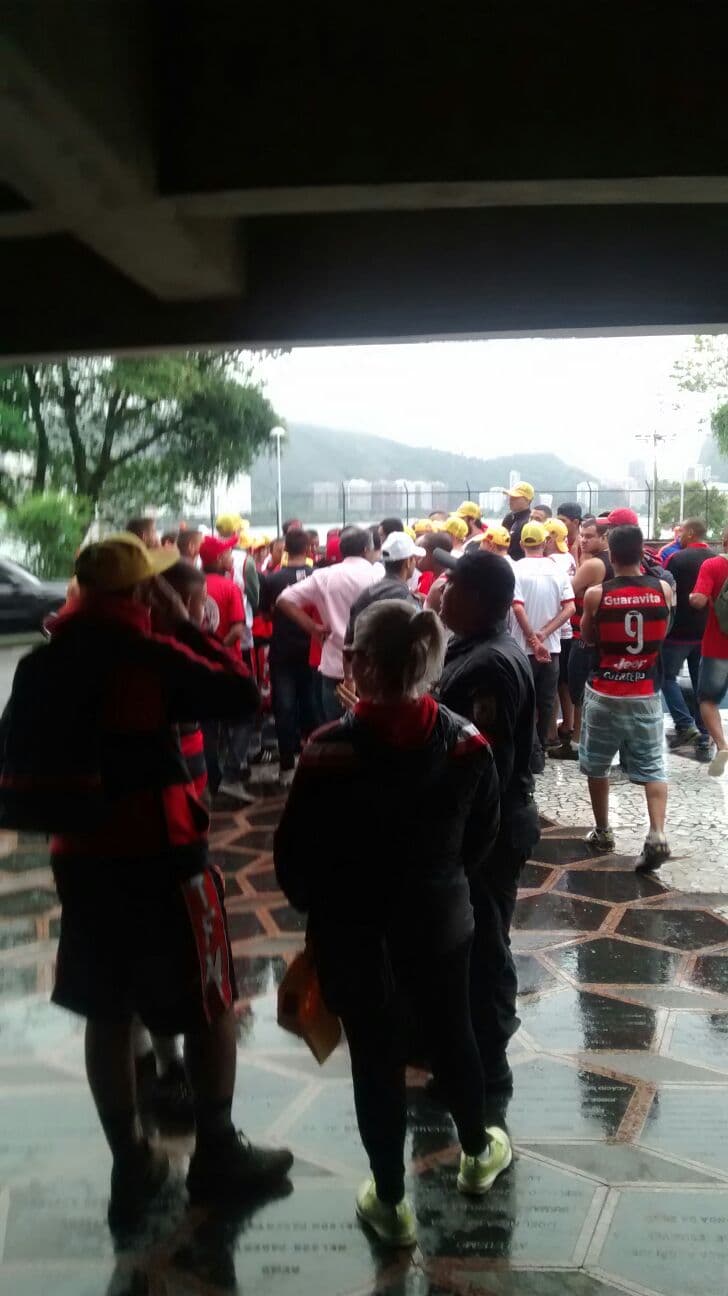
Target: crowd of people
<point>412,683</point>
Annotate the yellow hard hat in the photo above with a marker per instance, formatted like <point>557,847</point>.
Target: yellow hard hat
<point>469,509</point>
<point>456,527</point>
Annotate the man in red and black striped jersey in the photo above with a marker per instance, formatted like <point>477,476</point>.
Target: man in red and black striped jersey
<point>626,618</point>
<point>594,569</point>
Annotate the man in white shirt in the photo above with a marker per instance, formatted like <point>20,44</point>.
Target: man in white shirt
<point>557,549</point>
<point>546,602</point>
<point>332,591</point>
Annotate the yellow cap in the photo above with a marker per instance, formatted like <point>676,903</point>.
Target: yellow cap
<point>556,529</point>
<point>498,535</point>
<point>469,509</point>
<point>121,561</point>
<point>422,526</point>
<point>524,490</point>
<point>533,535</point>
<point>456,527</point>
<point>228,524</point>
<point>410,531</point>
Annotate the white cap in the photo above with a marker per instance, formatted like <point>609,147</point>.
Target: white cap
<point>398,546</point>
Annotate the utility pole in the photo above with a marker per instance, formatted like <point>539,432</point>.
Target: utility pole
<point>654,439</point>
<point>277,434</point>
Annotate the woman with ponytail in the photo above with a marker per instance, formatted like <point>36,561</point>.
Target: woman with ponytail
<point>386,890</point>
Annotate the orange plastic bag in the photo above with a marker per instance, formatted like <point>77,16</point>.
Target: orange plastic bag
<point>302,1011</point>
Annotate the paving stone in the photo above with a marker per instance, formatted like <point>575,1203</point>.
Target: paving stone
<point>573,1021</point>
<point>679,928</point>
<point>608,961</point>
<point>617,887</point>
<point>559,913</point>
<point>673,1243</point>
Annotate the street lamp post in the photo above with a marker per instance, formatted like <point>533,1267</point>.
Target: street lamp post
<point>277,433</point>
<point>654,438</point>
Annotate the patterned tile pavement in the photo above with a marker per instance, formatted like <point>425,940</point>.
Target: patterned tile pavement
<point>619,1112</point>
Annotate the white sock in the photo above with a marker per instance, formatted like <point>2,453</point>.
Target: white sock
<point>656,838</point>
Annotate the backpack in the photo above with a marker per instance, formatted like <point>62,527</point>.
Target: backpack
<point>50,765</point>
<point>720,607</point>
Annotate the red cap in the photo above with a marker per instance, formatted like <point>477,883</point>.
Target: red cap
<point>333,548</point>
<point>212,547</point>
<point>623,517</point>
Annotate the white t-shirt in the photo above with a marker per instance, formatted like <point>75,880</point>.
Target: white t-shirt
<point>543,589</point>
<point>567,564</point>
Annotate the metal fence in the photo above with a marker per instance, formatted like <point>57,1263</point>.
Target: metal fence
<point>343,504</point>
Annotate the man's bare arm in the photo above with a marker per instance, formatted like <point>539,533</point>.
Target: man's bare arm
<point>592,599</point>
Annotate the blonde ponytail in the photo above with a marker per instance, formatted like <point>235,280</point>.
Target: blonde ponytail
<point>404,647</point>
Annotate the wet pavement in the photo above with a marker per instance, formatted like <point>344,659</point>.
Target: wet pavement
<point>620,1183</point>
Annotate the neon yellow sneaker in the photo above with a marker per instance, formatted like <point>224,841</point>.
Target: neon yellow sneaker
<point>394,1225</point>
<point>478,1174</point>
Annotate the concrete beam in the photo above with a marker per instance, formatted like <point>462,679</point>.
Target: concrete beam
<point>67,169</point>
<point>434,195</point>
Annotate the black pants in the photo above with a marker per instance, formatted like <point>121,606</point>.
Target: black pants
<point>546,683</point>
<point>493,977</point>
<point>438,989</point>
<point>293,707</point>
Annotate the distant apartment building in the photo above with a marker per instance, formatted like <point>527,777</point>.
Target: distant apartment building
<point>698,473</point>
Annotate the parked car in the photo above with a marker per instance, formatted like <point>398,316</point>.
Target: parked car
<point>25,601</point>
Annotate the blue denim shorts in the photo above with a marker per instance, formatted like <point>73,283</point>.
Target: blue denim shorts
<point>713,679</point>
<point>631,726</point>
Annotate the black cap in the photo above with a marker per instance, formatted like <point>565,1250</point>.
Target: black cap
<point>489,576</point>
<point>570,511</point>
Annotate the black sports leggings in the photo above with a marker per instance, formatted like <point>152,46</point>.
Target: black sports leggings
<point>438,987</point>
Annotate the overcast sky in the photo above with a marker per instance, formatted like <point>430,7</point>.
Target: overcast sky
<point>585,399</point>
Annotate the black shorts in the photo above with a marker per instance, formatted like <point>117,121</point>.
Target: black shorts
<point>581,664</point>
<point>135,940</point>
<point>564,656</point>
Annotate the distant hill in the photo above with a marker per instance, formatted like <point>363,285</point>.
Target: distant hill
<point>313,454</point>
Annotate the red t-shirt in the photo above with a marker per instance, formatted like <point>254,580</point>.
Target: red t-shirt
<point>224,592</point>
<point>711,578</point>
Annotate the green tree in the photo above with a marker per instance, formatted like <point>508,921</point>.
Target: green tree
<point>49,527</point>
<point>122,434</point>
<point>711,505</point>
<point>705,370</point>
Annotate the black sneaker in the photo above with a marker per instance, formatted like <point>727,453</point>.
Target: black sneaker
<point>171,1100</point>
<point>135,1181</point>
<point>683,737</point>
<point>704,752</point>
<point>653,854</point>
<point>235,1169</point>
<point>564,751</point>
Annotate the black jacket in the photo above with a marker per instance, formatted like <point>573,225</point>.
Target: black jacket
<point>376,843</point>
<point>489,680</point>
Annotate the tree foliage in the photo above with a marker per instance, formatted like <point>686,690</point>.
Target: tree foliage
<point>705,370</point>
<point>50,527</point>
<point>700,501</point>
<point>123,434</point>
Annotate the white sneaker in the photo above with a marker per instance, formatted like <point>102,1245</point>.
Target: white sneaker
<point>237,792</point>
<point>718,763</point>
